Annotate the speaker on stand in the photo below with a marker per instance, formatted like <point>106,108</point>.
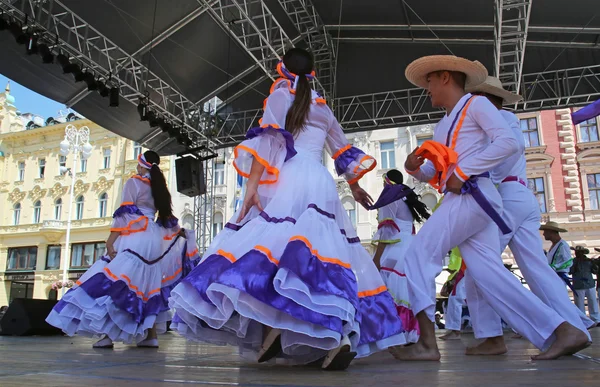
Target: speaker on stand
<point>190,176</point>
<point>27,317</point>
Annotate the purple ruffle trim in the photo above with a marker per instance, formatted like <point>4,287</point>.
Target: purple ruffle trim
<point>254,273</point>
<point>289,139</point>
<point>124,298</point>
<point>343,161</point>
<point>171,223</point>
<point>319,276</point>
<point>130,209</point>
<point>378,318</point>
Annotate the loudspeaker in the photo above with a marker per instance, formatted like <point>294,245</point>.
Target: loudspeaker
<point>26,317</point>
<point>190,176</point>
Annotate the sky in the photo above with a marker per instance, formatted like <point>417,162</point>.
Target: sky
<point>28,101</point>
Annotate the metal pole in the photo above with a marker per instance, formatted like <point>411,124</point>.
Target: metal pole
<point>68,237</point>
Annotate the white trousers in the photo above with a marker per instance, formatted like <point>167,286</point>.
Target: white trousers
<point>521,213</point>
<point>460,221</point>
<point>592,301</point>
<point>456,302</point>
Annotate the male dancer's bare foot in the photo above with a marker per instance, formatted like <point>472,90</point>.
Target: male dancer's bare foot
<point>569,340</point>
<point>517,336</point>
<point>489,347</point>
<point>416,352</point>
<point>451,335</point>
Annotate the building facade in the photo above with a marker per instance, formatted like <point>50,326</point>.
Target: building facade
<point>34,200</point>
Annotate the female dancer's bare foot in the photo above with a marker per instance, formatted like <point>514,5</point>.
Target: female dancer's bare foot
<point>451,335</point>
<point>569,340</point>
<point>416,352</point>
<point>489,347</point>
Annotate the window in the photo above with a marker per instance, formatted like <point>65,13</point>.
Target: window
<point>22,258</point>
<point>85,254</point>
<point>529,127</point>
<point>350,208</point>
<point>42,167</point>
<point>106,160</point>
<point>21,171</point>
<point>217,223</point>
<point>421,140</point>
<point>83,165</point>
<point>137,149</point>
<point>53,258</point>
<point>62,161</point>
<point>219,173</point>
<point>79,208</point>
<point>37,211</point>
<point>16,214</point>
<point>102,205</point>
<point>20,290</point>
<point>593,181</point>
<point>536,185</point>
<point>57,209</point>
<point>388,155</point>
<point>588,130</point>
<point>188,222</point>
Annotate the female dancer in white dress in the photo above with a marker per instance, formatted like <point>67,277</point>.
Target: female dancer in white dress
<point>124,295</point>
<point>287,277</point>
<point>399,207</point>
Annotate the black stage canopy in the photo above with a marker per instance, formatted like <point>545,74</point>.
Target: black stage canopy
<point>192,56</point>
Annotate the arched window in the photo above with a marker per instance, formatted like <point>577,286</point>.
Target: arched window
<point>350,207</point>
<point>57,208</point>
<point>102,202</point>
<point>188,222</point>
<point>37,211</point>
<point>17,214</point>
<point>217,223</point>
<point>79,208</point>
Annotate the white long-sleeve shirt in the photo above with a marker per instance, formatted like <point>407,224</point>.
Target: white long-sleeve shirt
<point>483,142</point>
<point>514,165</point>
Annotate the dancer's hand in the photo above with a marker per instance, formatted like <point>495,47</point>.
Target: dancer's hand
<point>361,196</point>
<point>250,200</point>
<point>454,184</point>
<point>110,250</point>
<point>414,162</point>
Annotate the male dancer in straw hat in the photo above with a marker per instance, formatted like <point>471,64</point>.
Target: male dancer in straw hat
<point>521,211</point>
<point>469,141</point>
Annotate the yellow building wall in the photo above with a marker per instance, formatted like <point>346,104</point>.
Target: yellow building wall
<point>29,146</point>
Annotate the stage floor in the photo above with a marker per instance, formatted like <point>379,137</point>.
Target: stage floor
<point>64,361</point>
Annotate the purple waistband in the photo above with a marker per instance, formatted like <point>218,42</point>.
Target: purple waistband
<point>470,187</point>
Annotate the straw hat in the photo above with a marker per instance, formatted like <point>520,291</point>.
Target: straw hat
<point>493,86</point>
<point>417,71</point>
<point>552,226</point>
<point>597,249</point>
<point>581,249</point>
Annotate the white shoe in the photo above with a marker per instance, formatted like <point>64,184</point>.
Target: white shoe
<point>104,342</point>
<point>148,343</point>
<point>340,357</point>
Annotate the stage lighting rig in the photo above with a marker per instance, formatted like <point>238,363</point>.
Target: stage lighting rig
<point>113,97</point>
<point>45,53</point>
<point>32,45</point>
<point>102,89</point>
<point>90,80</point>
<point>4,24</point>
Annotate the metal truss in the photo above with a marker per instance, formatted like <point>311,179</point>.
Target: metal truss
<point>98,54</point>
<point>255,29</point>
<point>542,91</point>
<point>308,22</point>
<point>204,208</point>
<point>511,22</point>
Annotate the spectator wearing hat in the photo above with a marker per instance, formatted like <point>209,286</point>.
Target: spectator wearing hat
<point>584,283</point>
<point>559,255</point>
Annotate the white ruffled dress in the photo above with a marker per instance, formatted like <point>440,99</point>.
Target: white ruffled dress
<point>124,297</point>
<point>298,265</point>
<point>396,230</point>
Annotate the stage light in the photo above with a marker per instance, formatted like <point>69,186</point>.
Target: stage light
<point>90,80</point>
<point>22,37</point>
<point>4,24</point>
<point>63,61</point>
<point>113,97</point>
<point>151,119</point>
<point>142,109</point>
<point>167,127</point>
<point>102,89</point>
<point>77,73</point>
<point>32,46</point>
<point>45,53</point>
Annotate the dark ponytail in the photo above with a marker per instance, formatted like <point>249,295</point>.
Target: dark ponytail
<point>299,62</point>
<point>160,191</point>
<point>417,208</point>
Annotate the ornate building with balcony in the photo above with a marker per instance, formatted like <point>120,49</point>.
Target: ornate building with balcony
<point>34,200</point>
